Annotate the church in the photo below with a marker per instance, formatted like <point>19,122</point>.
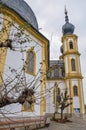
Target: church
<point>25,62</point>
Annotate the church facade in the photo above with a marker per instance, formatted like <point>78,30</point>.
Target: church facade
<point>25,62</point>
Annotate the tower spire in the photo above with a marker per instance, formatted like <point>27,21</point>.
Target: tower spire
<point>67,28</point>
<point>66,16</point>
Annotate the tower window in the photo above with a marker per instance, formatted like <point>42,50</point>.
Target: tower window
<point>73,65</point>
<point>71,44</point>
<point>75,91</point>
<point>30,60</point>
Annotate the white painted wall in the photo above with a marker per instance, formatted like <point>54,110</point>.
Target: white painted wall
<point>74,82</point>
<point>76,102</point>
<point>79,64</point>
<point>15,61</point>
<point>49,95</point>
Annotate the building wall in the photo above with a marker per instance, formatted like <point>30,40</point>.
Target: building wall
<point>73,77</point>
<point>15,62</point>
<point>51,93</point>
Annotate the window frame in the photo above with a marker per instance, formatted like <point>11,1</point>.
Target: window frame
<point>34,60</point>
<point>30,107</point>
<point>71,45</point>
<point>73,65</point>
<point>75,90</point>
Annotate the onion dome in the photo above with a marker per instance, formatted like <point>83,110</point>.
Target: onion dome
<point>67,28</point>
<point>21,8</point>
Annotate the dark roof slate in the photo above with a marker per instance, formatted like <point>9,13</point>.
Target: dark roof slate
<point>23,10</point>
<point>56,62</point>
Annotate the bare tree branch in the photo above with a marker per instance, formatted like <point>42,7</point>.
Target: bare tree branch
<point>26,95</point>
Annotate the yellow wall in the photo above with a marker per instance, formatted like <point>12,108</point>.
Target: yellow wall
<point>69,74</point>
<point>4,35</point>
<point>11,16</point>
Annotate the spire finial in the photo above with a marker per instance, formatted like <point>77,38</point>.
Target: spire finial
<point>66,16</point>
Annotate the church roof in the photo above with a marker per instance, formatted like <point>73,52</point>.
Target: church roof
<point>22,9</point>
<point>56,62</point>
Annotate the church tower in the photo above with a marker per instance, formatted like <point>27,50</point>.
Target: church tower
<point>73,75</point>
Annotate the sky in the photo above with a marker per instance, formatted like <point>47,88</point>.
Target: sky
<point>50,17</point>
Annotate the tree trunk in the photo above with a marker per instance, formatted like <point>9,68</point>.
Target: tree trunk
<point>61,114</point>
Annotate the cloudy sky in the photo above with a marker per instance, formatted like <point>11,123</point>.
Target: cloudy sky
<point>50,17</point>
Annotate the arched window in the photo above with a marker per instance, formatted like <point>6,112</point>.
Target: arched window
<point>27,106</point>
<point>31,61</point>
<point>73,65</point>
<point>75,91</point>
<point>71,44</point>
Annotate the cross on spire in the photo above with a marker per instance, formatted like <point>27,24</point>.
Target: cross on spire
<point>66,16</point>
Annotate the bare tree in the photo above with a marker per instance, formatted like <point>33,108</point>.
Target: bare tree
<point>62,100</point>
<point>14,88</point>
